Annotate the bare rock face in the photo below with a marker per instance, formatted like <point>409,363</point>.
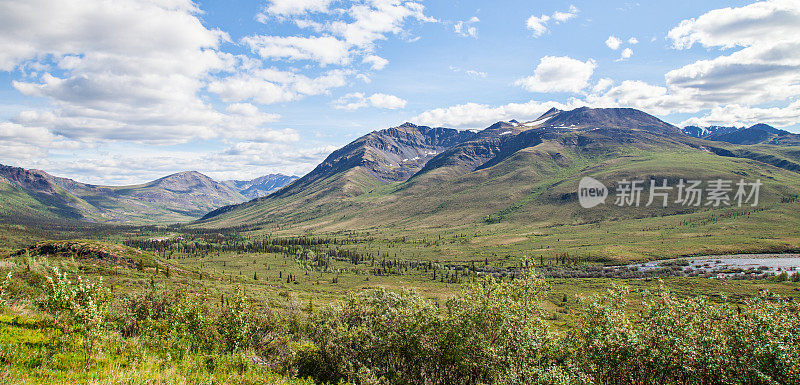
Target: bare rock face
<point>390,155</point>
<point>32,180</point>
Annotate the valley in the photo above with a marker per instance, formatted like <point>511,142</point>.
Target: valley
<point>433,212</point>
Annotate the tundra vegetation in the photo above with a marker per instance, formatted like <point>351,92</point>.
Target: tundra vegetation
<point>62,323</point>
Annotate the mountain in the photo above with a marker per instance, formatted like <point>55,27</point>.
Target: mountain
<point>175,198</point>
<point>702,132</point>
<point>512,173</point>
<point>261,186</point>
<point>757,134</point>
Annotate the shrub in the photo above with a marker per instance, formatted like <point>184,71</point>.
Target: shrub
<point>495,333</point>
<point>375,336</point>
<point>80,308</point>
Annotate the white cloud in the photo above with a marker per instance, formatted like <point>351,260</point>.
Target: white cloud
<point>564,16</point>
<point>246,121</point>
<point>374,19</point>
<point>633,41</point>
<point>538,24</point>
<point>766,67</point>
<point>559,74</point>
<point>626,54</point>
<point>475,115</point>
<point>124,70</point>
<point>602,85</point>
<point>267,86</point>
<point>638,94</point>
<point>613,42</point>
<point>325,50</point>
<point>377,63</point>
<point>21,142</point>
<point>475,74</point>
<point>350,30</point>
<point>738,115</point>
<point>295,7</point>
<point>386,101</point>
<point>463,28</point>
<point>356,100</point>
<point>762,22</point>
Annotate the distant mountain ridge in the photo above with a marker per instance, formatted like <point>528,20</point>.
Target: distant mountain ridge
<point>178,197</point>
<point>756,134</point>
<point>261,186</point>
<point>702,132</point>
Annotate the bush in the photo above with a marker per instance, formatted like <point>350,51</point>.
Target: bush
<point>80,308</point>
<point>495,333</point>
<point>376,336</point>
<point>677,341</point>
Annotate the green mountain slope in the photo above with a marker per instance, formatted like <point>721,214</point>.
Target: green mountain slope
<point>36,195</point>
<point>522,178</point>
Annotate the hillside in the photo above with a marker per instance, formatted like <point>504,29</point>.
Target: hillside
<point>514,175</point>
<point>181,197</point>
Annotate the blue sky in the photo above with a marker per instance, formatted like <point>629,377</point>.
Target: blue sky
<point>126,91</point>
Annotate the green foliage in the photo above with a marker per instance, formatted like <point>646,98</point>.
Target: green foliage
<point>235,323</point>
<point>375,336</point>
<point>688,340</point>
<point>80,307</point>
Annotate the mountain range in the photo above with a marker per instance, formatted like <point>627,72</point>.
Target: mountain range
<point>260,186</point>
<point>417,176</point>
<point>757,134</point>
<point>510,172</point>
<point>180,197</point>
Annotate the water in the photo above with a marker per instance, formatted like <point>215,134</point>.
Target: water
<point>732,265</point>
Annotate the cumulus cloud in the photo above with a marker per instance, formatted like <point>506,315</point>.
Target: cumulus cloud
<point>738,115</point>
<point>613,42</point>
<point>124,70</point>
<point>765,68</point>
<point>642,95</point>
<point>376,62</point>
<point>475,115</point>
<point>559,74</point>
<point>757,23</point>
<point>270,85</point>
<point>759,64</point>
<point>625,54</point>
<point>539,24</point>
<point>349,29</point>
<point>464,29</point>
<point>324,49</point>
<point>20,142</point>
<point>294,7</point>
<point>356,100</point>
